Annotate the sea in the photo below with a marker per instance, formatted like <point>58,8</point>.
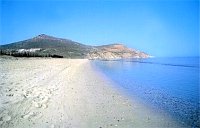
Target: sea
<point>168,85</point>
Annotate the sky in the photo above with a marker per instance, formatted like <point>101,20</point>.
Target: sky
<point>166,28</point>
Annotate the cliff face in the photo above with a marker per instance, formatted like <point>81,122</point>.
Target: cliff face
<point>44,45</point>
<point>115,51</point>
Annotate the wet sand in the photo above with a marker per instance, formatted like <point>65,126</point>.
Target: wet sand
<point>67,93</point>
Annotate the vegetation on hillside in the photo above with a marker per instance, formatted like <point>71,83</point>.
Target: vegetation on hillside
<point>57,47</point>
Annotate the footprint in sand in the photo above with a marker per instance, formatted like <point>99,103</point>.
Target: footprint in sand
<point>36,116</point>
<point>26,116</point>
<point>28,94</point>
<point>42,105</point>
<point>32,115</point>
<point>35,104</point>
<point>5,119</point>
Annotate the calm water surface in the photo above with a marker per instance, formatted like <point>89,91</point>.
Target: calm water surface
<point>167,84</point>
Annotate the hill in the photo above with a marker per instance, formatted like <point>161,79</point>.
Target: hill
<point>49,46</point>
<point>115,51</point>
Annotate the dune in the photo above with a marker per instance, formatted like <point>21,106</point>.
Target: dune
<point>67,93</point>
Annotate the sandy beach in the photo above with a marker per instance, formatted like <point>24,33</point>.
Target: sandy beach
<point>67,93</point>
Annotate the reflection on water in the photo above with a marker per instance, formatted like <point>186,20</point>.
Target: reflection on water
<point>168,84</point>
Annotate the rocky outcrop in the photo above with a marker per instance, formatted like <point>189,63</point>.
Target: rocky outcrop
<point>115,51</point>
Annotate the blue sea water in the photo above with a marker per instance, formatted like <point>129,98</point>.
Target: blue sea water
<point>167,84</point>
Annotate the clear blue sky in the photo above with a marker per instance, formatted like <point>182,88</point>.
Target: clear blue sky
<point>160,28</point>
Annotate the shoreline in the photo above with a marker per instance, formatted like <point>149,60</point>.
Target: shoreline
<point>67,93</point>
<point>135,100</point>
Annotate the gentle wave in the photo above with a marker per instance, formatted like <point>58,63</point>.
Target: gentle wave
<point>164,64</point>
<point>178,65</point>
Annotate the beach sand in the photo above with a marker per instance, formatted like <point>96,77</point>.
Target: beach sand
<point>67,93</point>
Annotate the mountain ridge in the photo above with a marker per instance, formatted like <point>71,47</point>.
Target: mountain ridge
<point>45,45</point>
